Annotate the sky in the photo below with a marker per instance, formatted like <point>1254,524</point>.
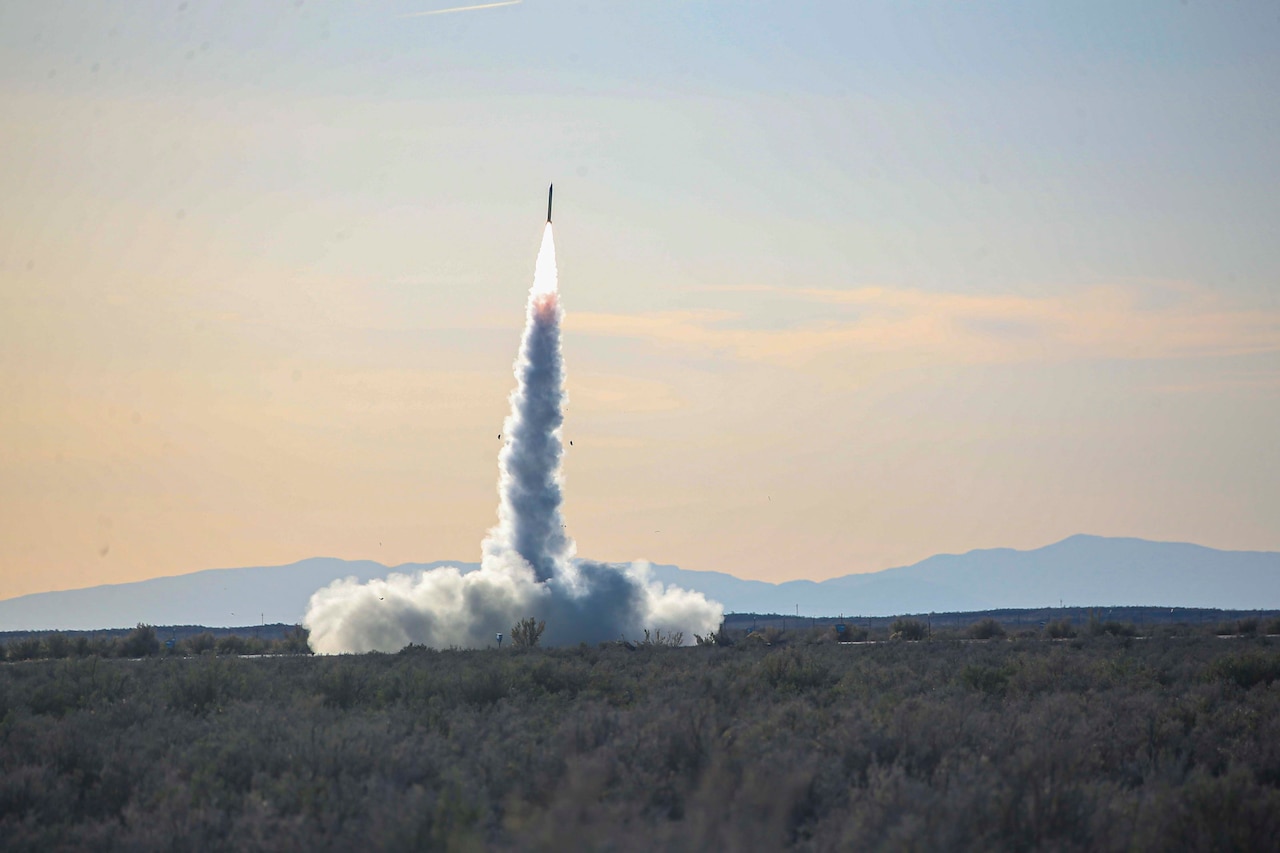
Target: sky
<point>846,284</point>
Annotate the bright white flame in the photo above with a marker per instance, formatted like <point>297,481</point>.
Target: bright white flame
<point>544,271</point>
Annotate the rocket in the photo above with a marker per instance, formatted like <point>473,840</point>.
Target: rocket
<point>550,187</point>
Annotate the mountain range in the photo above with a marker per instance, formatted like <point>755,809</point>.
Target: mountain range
<point>1078,571</point>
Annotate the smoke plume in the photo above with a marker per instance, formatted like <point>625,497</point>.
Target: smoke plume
<point>527,566</point>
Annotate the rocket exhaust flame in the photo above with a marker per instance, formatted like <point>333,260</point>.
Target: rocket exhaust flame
<point>527,565</point>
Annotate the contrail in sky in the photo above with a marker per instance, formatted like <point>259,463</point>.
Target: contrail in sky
<point>527,566</point>
<point>462,9</point>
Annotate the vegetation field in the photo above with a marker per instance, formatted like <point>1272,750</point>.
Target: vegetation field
<point>1099,742</point>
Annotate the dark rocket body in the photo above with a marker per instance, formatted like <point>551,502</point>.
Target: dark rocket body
<point>550,187</point>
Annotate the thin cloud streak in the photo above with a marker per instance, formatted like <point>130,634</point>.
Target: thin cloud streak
<point>1096,323</point>
<point>462,9</point>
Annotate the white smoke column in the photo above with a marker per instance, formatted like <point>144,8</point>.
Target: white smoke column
<point>527,567</point>
<point>529,484</point>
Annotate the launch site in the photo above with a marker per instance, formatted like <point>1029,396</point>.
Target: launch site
<point>876,450</point>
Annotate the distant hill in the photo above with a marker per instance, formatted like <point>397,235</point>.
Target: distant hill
<point>214,597</point>
<point>1078,571</point>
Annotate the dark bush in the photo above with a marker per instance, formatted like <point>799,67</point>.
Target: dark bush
<point>296,642</point>
<point>199,644</point>
<point>986,629</point>
<point>1060,629</point>
<point>140,643</point>
<point>908,629</point>
<point>792,669</point>
<point>718,637</point>
<point>772,635</point>
<point>984,678</point>
<point>1243,627</point>
<point>484,688</point>
<point>57,646</point>
<point>671,639</point>
<point>232,644</point>
<point>344,685</point>
<point>1247,669</point>
<point>28,648</point>
<point>206,684</point>
<point>527,633</point>
<point>1097,628</point>
<point>854,634</point>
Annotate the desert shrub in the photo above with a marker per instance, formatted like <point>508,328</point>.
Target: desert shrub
<point>1247,669</point>
<point>1094,625</point>
<point>199,644</point>
<point>986,629</point>
<point>908,629</point>
<point>232,644</point>
<point>296,642</point>
<point>552,676</point>
<point>27,648</point>
<point>57,645</point>
<point>526,633</point>
<point>105,647</point>
<point>818,636</point>
<point>718,637</point>
<point>1111,628</point>
<point>1243,627</point>
<point>343,686</point>
<point>140,643</point>
<point>985,678</point>
<point>1092,744</point>
<point>671,639</point>
<point>793,669</point>
<point>770,635</point>
<point>484,688</point>
<point>69,685</point>
<point>1060,629</point>
<point>1174,629</point>
<point>199,686</point>
<point>54,698</point>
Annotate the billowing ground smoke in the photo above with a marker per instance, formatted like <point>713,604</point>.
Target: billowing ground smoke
<point>528,566</point>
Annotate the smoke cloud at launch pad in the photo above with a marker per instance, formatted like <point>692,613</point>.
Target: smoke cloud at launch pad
<point>527,566</point>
